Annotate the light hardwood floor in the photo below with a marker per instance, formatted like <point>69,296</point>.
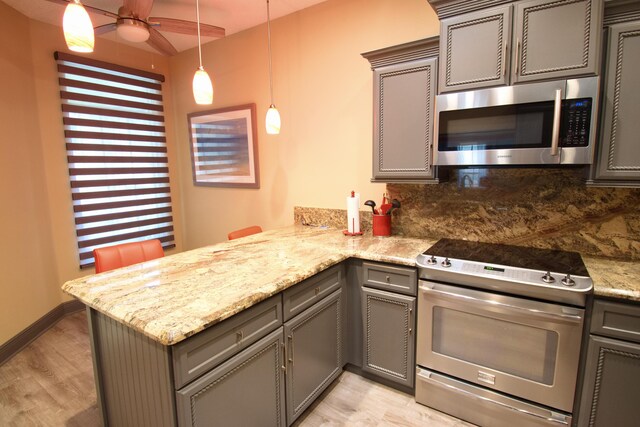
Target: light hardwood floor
<point>50,383</point>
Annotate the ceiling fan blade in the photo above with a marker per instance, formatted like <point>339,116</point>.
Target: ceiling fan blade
<point>103,29</point>
<point>186,27</point>
<point>159,43</point>
<point>140,8</point>
<point>89,8</point>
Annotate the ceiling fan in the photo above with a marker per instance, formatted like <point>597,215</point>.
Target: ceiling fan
<point>132,23</point>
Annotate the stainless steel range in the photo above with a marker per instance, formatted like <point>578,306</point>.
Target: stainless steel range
<point>499,332</point>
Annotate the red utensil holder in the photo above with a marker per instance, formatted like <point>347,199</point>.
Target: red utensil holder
<point>382,225</point>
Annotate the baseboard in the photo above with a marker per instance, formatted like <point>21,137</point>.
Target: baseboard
<point>20,341</point>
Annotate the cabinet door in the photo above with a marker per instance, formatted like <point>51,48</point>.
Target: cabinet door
<point>556,38</point>
<point>619,156</point>
<point>247,390</point>
<point>388,321</point>
<point>612,384</point>
<point>403,120</point>
<point>474,50</point>
<point>314,353</point>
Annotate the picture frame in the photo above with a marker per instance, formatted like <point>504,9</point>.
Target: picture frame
<point>224,147</point>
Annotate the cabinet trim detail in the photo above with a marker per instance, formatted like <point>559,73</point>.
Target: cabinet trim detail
<point>598,381</point>
<point>501,61</point>
<point>275,346</point>
<point>406,337</point>
<point>427,145</point>
<point>525,31</point>
<point>616,103</point>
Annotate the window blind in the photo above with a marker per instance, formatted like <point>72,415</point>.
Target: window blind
<point>113,120</point>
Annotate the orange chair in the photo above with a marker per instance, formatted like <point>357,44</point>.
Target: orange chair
<point>254,229</point>
<point>116,256</point>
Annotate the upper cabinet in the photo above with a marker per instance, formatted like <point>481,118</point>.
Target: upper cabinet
<point>404,89</point>
<point>618,160</point>
<point>520,42</point>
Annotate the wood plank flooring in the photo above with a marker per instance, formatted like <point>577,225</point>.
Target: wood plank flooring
<point>50,383</point>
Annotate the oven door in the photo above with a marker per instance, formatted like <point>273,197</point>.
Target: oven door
<point>522,347</point>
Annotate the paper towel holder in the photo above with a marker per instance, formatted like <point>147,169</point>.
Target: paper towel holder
<point>353,225</point>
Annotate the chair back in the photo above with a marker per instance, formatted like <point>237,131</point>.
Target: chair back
<point>122,255</point>
<point>254,229</point>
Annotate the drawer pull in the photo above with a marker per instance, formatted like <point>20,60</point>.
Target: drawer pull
<point>388,279</point>
<point>239,336</point>
<point>317,290</point>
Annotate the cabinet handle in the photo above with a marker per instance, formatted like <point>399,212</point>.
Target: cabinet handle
<point>284,358</point>
<point>239,336</point>
<point>317,291</point>
<point>518,57</point>
<point>410,318</point>
<point>555,132</point>
<point>290,338</point>
<point>504,59</point>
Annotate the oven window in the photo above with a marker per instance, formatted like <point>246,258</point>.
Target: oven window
<point>513,348</point>
<point>502,127</point>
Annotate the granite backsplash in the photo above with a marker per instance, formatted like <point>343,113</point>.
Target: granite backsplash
<point>544,208</point>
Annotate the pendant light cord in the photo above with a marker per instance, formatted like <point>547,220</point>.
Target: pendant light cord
<point>198,22</point>
<point>269,42</point>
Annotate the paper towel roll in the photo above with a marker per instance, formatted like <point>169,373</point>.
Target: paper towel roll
<point>353,213</point>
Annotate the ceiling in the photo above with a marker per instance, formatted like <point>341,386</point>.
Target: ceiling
<point>232,15</point>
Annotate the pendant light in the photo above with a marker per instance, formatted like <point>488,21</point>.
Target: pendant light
<point>202,86</point>
<point>272,121</point>
<point>77,27</point>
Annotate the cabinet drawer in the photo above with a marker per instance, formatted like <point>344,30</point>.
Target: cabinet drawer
<point>200,353</point>
<point>402,280</point>
<point>303,295</point>
<point>617,320</point>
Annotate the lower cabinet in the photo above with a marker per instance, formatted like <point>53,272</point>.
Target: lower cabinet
<point>247,390</point>
<point>314,352</point>
<point>611,386</point>
<point>388,335</point>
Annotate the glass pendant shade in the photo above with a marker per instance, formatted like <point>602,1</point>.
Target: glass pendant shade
<point>78,29</point>
<point>202,87</point>
<point>272,120</point>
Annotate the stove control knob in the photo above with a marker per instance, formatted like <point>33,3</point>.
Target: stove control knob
<point>446,263</point>
<point>432,260</point>
<point>568,281</point>
<point>548,278</point>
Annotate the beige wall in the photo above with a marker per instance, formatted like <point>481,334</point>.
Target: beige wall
<point>323,89</point>
<point>36,219</point>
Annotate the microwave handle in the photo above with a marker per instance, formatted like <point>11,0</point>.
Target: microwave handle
<point>555,135</point>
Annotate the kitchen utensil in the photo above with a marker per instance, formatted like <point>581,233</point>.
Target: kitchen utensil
<point>372,204</point>
<point>385,206</point>
<point>395,204</point>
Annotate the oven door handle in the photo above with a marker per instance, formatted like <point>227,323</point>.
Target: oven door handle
<point>461,295</point>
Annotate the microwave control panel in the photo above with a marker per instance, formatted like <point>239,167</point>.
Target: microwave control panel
<point>576,121</point>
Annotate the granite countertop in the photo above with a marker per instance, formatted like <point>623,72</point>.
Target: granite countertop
<point>172,298</point>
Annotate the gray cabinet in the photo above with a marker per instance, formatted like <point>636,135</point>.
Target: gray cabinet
<point>247,390</point>
<point>388,335</point>
<point>556,39</point>
<point>612,373</point>
<point>618,161</point>
<point>474,50</point>
<point>531,40</point>
<point>314,352</point>
<point>404,89</point>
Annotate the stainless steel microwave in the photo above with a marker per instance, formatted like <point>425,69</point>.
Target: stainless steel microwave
<point>548,123</point>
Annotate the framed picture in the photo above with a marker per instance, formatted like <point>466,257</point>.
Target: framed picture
<point>224,147</point>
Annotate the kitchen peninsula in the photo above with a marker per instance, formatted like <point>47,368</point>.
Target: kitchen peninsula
<point>159,304</point>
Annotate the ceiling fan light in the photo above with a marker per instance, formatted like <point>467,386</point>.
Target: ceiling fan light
<point>78,29</point>
<point>202,87</point>
<point>272,121</point>
<point>132,30</point>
